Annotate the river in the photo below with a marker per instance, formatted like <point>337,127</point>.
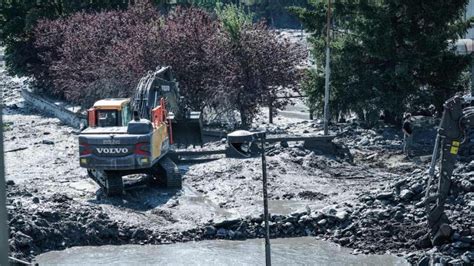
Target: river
<point>287,251</point>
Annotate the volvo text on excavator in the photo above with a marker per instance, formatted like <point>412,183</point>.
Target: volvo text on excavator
<point>129,137</point>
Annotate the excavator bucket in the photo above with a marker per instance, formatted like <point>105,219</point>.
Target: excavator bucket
<point>187,132</point>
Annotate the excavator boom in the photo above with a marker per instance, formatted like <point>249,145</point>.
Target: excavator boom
<point>456,119</point>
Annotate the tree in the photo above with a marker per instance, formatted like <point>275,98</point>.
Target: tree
<point>387,55</point>
<point>18,18</point>
<point>262,66</point>
<point>88,56</point>
<point>191,42</point>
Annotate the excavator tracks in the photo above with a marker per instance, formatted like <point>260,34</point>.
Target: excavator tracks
<point>111,183</point>
<point>166,173</point>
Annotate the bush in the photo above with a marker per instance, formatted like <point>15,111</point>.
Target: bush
<point>191,42</point>
<point>90,56</point>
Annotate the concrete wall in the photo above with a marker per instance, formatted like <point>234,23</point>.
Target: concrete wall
<point>56,109</point>
<point>470,13</point>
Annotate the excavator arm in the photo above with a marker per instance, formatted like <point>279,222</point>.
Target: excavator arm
<point>456,119</point>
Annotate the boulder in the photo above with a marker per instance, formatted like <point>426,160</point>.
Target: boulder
<point>221,233</point>
<point>406,194</point>
<point>342,215</point>
<point>384,195</point>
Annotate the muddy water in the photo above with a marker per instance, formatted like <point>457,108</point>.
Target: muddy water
<point>289,251</point>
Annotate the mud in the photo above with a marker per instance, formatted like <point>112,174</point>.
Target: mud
<point>287,251</point>
<point>368,202</point>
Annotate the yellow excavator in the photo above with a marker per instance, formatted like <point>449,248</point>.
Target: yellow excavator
<point>132,137</point>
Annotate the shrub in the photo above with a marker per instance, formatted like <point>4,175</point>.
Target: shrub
<point>89,56</point>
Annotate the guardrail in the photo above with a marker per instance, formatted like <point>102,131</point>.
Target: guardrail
<point>17,262</point>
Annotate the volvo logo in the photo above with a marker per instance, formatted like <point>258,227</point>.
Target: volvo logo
<point>112,150</point>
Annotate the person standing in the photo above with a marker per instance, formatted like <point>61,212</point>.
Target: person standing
<point>407,129</point>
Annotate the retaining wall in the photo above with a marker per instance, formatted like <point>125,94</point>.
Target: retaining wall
<point>54,108</point>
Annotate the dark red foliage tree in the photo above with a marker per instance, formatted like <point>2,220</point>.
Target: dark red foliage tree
<point>89,56</point>
<point>192,42</point>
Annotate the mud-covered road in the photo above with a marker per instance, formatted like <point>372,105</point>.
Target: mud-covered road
<point>354,202</point>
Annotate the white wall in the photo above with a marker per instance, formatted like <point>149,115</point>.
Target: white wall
<point>470,13</point>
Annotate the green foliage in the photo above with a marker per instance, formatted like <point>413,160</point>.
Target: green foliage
<point>390,56</point>
<point>234,19</point>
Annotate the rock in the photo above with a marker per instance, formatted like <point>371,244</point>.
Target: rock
<point>231,234</point>
<point>406,194</point>
<point>467,186</point>
<point>342,215</point>
<point>13,106</point>
<point>465,258</point>
<point>239,235</point>
<point>284,144</point>
<point>456,262</point>
<point>139,234</point>
<point>48,142</point>
<point>423,261</point>
<point>57,197</point>
<point>424,241</point>
<point>386,195</point>
<point>460,245</point>
<point>10,182</point>
<point>23,240</point>
<point>221,233</point>
<point>469,255</point>
<point>364,141</point>
<point>398,216</point>
<point>467,239</point>
<point>416,188</point>
<point>228,223</point>
<point>36,200</point>
<point>210,231</point>
<point>311,195</point>
<point>329,210</point>
<point>304,219</point>
<point>323,222</point>
<point>443,235</point>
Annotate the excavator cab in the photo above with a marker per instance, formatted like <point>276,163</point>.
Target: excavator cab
<point>114,112</point>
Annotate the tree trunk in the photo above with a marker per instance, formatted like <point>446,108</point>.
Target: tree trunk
<point>244,117</point>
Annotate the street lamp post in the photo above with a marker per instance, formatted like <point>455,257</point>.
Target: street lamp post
<point>268,262</point>
<point>237,139</point>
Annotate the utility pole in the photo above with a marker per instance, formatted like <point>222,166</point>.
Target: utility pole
<point>328,70</point>
<point>268,261</point>
<point>3,203</point>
